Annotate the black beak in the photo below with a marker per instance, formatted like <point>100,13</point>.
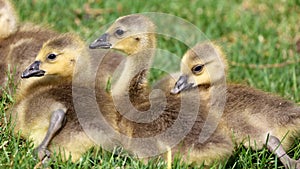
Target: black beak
<point>181,85</point>
<point>101,42</point>
<point>33,71</point>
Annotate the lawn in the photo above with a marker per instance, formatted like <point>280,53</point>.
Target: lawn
<point>258,37</point>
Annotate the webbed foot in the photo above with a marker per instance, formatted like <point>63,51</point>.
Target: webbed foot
<point>275,146</point>
<point>292,164</point>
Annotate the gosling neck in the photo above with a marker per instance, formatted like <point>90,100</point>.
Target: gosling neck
<point>33,84</point>
<point>137,61</point>
<point>84,71</point>
<point>215,95</point>
<point>134,64</point>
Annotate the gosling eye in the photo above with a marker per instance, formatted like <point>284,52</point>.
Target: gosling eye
<point>119,32</point>
<point>51,56</point>
<point>197,69</point>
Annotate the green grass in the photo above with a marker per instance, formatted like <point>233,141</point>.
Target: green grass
<point>251,32</point>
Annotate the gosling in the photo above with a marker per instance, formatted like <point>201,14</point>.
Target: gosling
<point>265,118</point>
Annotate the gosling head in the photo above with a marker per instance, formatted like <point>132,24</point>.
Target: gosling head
<point>129,34</point>
<point>204,64</point>
<point>8,19</point>
<point>57,57</point>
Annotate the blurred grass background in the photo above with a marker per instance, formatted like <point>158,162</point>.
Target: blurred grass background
<point>259,38</point>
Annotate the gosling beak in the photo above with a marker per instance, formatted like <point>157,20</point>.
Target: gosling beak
<point>181,84</point>
<point>33,71</point>
<point>101,42</point>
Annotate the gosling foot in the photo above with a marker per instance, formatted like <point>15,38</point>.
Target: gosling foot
<point>43,154</point>
<point>56,122</point>
<point>275,146</point>
<point>291,163</point>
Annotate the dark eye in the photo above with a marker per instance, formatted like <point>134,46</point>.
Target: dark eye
<point>51,56</point>
<point>119,32</point>
<point>197,69</point>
